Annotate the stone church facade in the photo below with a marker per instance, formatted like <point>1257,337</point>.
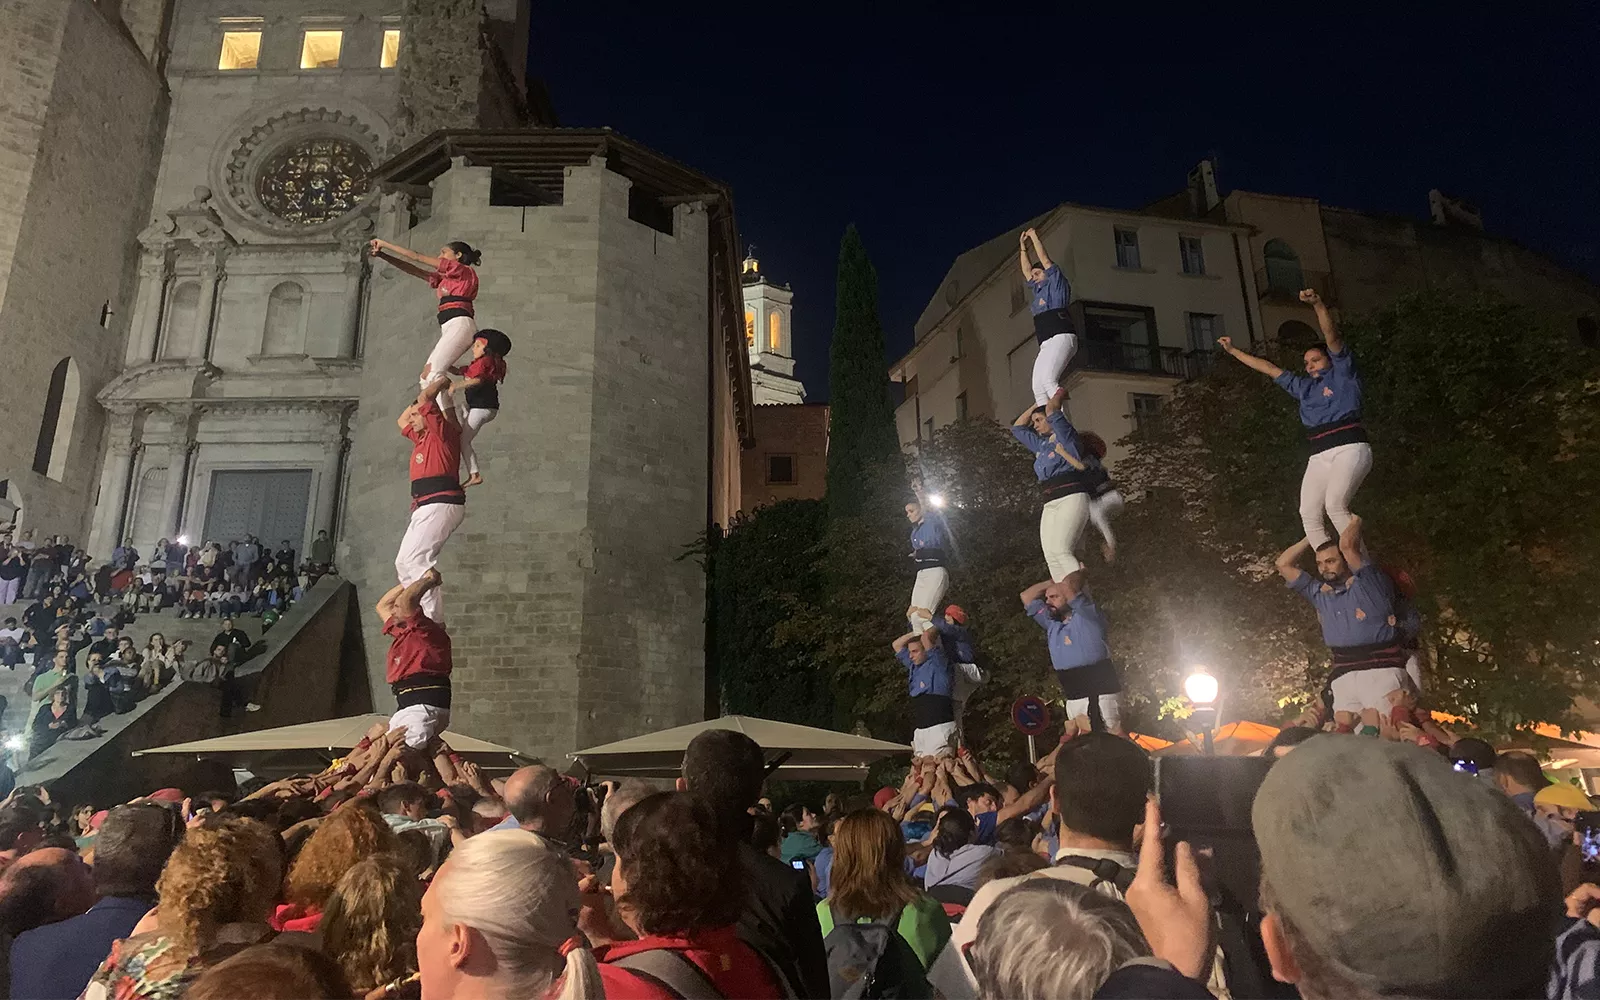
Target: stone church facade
<point>235,361</point>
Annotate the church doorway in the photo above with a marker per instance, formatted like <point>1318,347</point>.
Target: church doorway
<point>268,503</point>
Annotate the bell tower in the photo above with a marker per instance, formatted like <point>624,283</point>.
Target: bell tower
<point>768,311</point>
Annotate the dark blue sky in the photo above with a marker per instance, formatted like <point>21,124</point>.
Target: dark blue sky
<point>936,132</point>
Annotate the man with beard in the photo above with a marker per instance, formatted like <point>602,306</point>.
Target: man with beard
<point>1076,635</point>
<point>1355,604</point>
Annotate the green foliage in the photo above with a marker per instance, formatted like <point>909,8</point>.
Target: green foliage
<point>861,417</point>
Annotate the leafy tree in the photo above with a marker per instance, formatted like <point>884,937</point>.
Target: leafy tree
<point>861,417</point>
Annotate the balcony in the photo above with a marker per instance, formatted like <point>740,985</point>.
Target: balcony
<point>1281,282</point>
<point>1144,359</point>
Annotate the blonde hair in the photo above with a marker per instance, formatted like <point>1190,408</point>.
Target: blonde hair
<point>353,833</point>
<point>524,929</point>
<point>370,922</point>
<point>227,870</point>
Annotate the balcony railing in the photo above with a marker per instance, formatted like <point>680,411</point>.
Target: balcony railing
<point>1282,283</point>
<point>1147,359</point>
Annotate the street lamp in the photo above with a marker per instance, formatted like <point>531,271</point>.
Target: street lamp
<point>1202,691</point>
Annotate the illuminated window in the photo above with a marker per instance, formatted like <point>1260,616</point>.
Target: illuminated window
<point>749,329</point>
<point>775,333</point>
<point>321,50</point>
<point>239,49</point>
<point>391,49</point>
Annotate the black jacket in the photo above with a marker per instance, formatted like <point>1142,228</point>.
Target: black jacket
<point>780,921</point>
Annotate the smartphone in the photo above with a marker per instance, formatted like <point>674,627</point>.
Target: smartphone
<point>798,865</point>
<point>1206,801</point>
<point>1587,826</point>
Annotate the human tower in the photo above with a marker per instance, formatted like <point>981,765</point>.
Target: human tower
<point>1368,622</point>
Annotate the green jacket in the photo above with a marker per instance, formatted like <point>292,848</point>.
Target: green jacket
<point>923,925</point>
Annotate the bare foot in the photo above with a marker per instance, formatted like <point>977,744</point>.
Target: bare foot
<point>473,480</point>
<point>1109,551</point>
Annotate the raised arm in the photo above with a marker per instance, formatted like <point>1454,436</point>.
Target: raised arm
<point>1330,329</point>
<point>1350,544</point>
<point>1027,802</point>
<point>903,642</point>
<point>1034,593</point>
<point>1289,557</point>
<point>1038,249</point>
<point>391,250</point>
<point>1023,260</point>
<point>1261,365</point>
<point>402,602</point>
<point>404,265</point>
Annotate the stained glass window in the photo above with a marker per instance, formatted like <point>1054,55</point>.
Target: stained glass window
<point>314,181</point>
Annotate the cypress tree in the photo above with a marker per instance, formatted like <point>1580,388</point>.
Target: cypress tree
<point>861,417</point>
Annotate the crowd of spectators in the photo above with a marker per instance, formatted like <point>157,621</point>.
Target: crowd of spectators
<point>1379,868</point>
<point>72,637</point>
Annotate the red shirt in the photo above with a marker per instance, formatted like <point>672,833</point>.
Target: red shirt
<point>489,368</point>
<point>435,459</point>
<point>733,967</point>
<point>455,280</point>
<point>421,646</point>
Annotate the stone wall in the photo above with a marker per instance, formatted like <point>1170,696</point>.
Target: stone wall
<point>441,67</point>
<point>571,620</point>
<point>799,431</point>
<point>76,174</point>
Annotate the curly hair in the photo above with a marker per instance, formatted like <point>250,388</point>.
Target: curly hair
<point>673,854</point>
<point>351,834</point>
<point>227,870</point>
<point>370,923</point>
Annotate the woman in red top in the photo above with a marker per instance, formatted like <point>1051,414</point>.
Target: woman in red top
<point>481,392</point>
<point>455,282</point>
<point>678,886</point>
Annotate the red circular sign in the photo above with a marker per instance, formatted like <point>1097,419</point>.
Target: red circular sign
<point>1030,715</point>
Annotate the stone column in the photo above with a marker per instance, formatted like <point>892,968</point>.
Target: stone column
<point>114,477</point>
<point>155,273</point>
<point>329,485</point>
<point>211,276</point>
<point>355,283</point>
<point>177,450</point>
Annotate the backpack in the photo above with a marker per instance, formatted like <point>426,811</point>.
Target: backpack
<point>1105,871</point>
<point>869,960</point>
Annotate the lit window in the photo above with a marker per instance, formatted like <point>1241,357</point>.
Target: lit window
<point>321,50</point>
<point>775,332</point>
<point>239,49</point>
<point>1194,258</point>
<point>750,329</point>
<point>1127,248</point>
<point>391,48</point>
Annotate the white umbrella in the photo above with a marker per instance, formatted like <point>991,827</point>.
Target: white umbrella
<point>806,754</point>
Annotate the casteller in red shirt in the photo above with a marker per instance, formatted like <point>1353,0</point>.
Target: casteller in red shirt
<point>457,286</point>
<point>733,967</point>
<point>419,663</point>
<point>435,459</point>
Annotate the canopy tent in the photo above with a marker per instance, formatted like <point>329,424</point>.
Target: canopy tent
<point>311,746</point>
<point>1236,739</point>
<point>812,754</point>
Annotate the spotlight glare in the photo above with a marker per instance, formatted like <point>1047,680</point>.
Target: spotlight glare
<point>1200,687</point>
<point>936,499</point>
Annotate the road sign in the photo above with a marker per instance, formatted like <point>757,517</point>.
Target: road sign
<point>1030,715</point>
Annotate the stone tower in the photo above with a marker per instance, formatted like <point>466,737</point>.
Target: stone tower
<point>769,334</point>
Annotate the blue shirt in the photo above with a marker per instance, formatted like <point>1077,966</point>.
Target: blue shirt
<point>1078,641</point>
<point>1334,395</point>
<point>1357,613</point>
<point>931,676</point>
<point>987,823</point>
<point>1050,292</point>
<point>929,533</point>
<point>1047,461</point>
<point>955,638</point>
<point>58,960</point>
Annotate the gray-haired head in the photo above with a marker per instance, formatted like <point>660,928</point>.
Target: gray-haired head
<point>1050,939</point>
<point>628,793</point>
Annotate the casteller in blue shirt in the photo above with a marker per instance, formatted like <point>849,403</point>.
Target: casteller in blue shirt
<point>1049,292</point>
<point>1078,639</point>
<point>1356,612</point>
<point>1328,399</point>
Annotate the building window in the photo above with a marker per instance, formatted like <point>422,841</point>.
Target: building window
<point>750,329</point>
<point>320,49</point>
<point>1147,413</point>
<point>1283,267</point>
<point>775,332</point>
<point>391,49</point>
<point>1127,248</point>
<point>1204,329</point>
<point>961,407</point>
<point>780,470</point>
<point>240,49</point>
<point>927,426</point>
<point>1193,254</point>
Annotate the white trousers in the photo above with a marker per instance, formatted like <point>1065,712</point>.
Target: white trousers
<point>422,722</point>
<point>431,526</point>
<point>1110,710</point>
<point>472,421</point>
<point>1101,510</point>
<point>1332,478</point>
<point>1054,356</point>
<point>455,336</point>
<point>1414,671</point>
<point>1060,526</point>
<point>1362,689</point>
<point>966,680</point>
<point>934,741</point>
<point>926,593</point>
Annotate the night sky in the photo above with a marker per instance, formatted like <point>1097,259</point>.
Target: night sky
<point>934,133</point>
